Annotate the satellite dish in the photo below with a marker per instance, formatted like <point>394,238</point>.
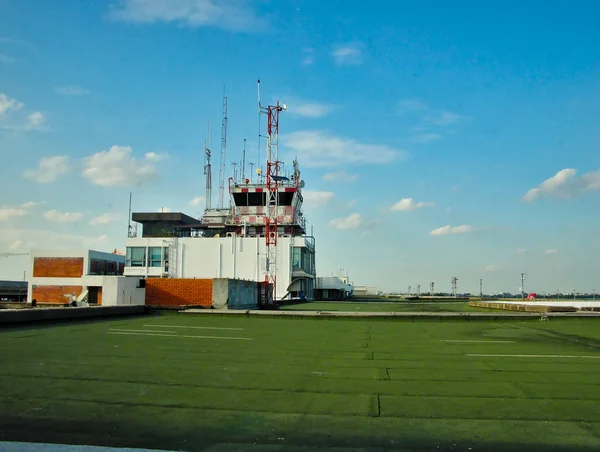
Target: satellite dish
<point>301,185</point>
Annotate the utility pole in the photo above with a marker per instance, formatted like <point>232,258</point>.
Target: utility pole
<point>431,288</point>
<point>594,292</point>
<point>409,290</point>
<point>523,275</point>
<point>207,166</point>
<point>480,287</point>
<point>418,289</point>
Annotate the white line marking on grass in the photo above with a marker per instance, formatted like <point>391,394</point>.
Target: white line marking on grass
<point>181,335</point>
<point>534,356</point>
<point>141,331</point>
<point>482,342</point>
<point>196,327</point>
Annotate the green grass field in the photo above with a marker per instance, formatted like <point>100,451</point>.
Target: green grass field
<point>404,306</point>
<point>197,382</point>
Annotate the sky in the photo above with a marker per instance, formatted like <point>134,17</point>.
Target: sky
<point>436,139</point>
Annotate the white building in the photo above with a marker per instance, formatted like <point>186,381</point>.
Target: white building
<point>60,276</point>
<point>230,242</point>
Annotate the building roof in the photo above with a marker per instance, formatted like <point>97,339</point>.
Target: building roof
<point>177,218</point>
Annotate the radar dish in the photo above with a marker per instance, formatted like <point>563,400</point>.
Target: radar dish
<point>302,184</point>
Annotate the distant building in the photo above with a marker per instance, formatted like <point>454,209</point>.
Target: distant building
<point>366,291</point>
<point>61,276</point>
<point>333,288</point>
<point>13,290</point>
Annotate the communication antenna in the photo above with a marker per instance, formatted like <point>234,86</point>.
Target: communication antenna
<point>251,170</point>
<point>454,281</point>
<point>129,218</point>
<point>431,288</point>
<point>223,151</point>
<point>207,166</point>
<point>244,162</point>
<point>234,164</point>
<point>272,207</point>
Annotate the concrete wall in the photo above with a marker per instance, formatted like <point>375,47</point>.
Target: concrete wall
<point>234,294</point>
<point>8,316</point>
<point>224,257</point>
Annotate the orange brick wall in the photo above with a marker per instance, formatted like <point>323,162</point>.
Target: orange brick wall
<point>54,294</point>
<point>172,292</point>
<point>58,267</point>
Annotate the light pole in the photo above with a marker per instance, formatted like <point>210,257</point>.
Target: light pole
<point>480,287</point>
<point>523,275</point>
<point>594,292</point>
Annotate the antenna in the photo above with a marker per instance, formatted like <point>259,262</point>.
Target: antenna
<point>235,164</point>
<point>244,162</point>
<point>129,218</point>
<point>258,146</point>
<point>454,285</point>
<point>251,170</point>
<point>223,151</point>
<point>207,166</point>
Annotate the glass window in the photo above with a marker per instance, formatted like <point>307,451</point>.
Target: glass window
<point>295,258</point>
<point>136,256</point>
<point>156,255</point>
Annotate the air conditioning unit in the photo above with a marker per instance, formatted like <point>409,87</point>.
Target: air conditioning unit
<point>230,234</point>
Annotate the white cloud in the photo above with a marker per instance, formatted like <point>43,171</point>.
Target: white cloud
<point>10,213</point>
<point>412,105</point>
<point>591,180</point>
<point>71,90</point>
<point>228,14</point>
<point>8,104</point>
<point>36,238</point>
<point>35,119</point>
<point>446,230</point>
<point>551,252</point>
<point>6,59</point>
<point>347,55</point>
<point>560,185</point>
<point>49,169</point>
<point>117,167</point>
<point>521,251</point>
<point>308,58</point>
<point>30,205</point>
<point>16,245</point>
<point>350,203</point>
<point>318,148</point>
<point>424,138</point>
<point>62,217</point>
<point>446,118</point>
<point>339,176</point>
<point>352,221</point>
<point>104,219</point>
<point>317,198</point>
<point>308,109</point>
<point>406,204</point>
<point>491,268</point>
<point>197,201</point>
<point>154,157</point>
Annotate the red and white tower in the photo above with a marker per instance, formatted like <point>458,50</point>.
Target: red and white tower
<point>272,200</point>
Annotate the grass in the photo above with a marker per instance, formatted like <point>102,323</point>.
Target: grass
<point>338,384</point>
<point>390,306</point>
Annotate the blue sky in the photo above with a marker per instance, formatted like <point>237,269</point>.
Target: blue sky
<point>436,139</point>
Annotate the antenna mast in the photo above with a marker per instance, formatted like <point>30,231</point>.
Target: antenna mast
<point>223,151</point>
<point>207,167</point>
<point>129,218</point>
<point>272,208</point>
<point>244,162</point>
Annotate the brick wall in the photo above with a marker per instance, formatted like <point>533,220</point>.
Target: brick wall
<point>54,294</point>
<point>58,267</point>
<point>173,292</point>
